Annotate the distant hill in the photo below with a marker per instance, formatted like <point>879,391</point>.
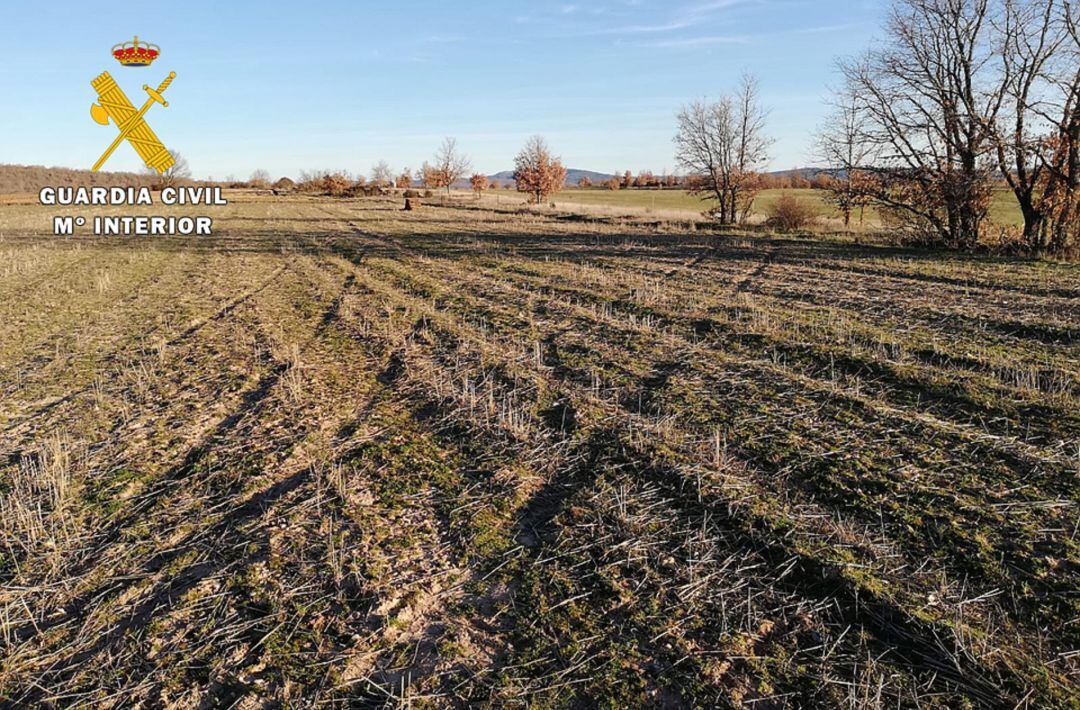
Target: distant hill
<point>808,173</point>
<point>573,175</point>
<point>31,178</point>
<point>18,179</point>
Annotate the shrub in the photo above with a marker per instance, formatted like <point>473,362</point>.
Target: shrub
<point>789,214</point>
<point>309,182</point>
<point>336,184</point>
<point>325,182</point>
<point>412,194</point>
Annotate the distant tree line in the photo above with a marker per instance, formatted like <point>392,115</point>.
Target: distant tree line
<point>961,98</point>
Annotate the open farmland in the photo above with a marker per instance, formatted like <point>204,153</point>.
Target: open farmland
<point>345,454</point>
<point>1003,209</point>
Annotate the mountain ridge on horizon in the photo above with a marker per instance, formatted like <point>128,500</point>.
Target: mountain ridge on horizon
<point>574,175</point>
<point>20,178</point>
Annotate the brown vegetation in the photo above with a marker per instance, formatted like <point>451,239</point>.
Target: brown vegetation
<point>331,183</point>
<point>344,455</point>
<point>478,183</point>
<point>16,179</point>
<point>789,214</point>
<point>537,172</point>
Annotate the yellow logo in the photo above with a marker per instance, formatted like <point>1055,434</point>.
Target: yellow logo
<point>114,104</point>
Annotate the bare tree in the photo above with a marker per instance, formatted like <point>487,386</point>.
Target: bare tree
<point>1037,135</point>
<point>259,179</point>
<point>960,92</point>
<point>723,145</point>
<point>927,116</point>
<point>450,163</point>
<point>1063,185</point>
<point>382,175</point>
<point>842,147</point>
<point>536,171</point>
<point>175,173</point>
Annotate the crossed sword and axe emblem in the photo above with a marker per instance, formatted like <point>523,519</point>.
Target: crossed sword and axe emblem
<point>114,104</point>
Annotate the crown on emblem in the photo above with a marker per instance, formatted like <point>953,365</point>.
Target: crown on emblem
<point>136,53</point>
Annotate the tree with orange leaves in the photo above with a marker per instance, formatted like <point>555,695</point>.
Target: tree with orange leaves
<point>537,172</point>
<point>479,183</point>
<point>432,178</point>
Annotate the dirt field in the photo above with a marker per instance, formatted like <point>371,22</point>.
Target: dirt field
<point>348,455</point>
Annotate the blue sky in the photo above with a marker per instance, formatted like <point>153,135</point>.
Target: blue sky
<point>341,85</point>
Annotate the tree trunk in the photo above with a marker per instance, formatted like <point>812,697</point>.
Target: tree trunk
<point>1034,237</point>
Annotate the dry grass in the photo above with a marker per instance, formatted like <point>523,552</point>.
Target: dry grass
<point>342,454</point>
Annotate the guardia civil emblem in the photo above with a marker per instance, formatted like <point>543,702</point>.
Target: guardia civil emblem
<point>113,104</point>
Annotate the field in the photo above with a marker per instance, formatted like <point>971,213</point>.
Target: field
<point>347,455</point>
<point>1004,209</point>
